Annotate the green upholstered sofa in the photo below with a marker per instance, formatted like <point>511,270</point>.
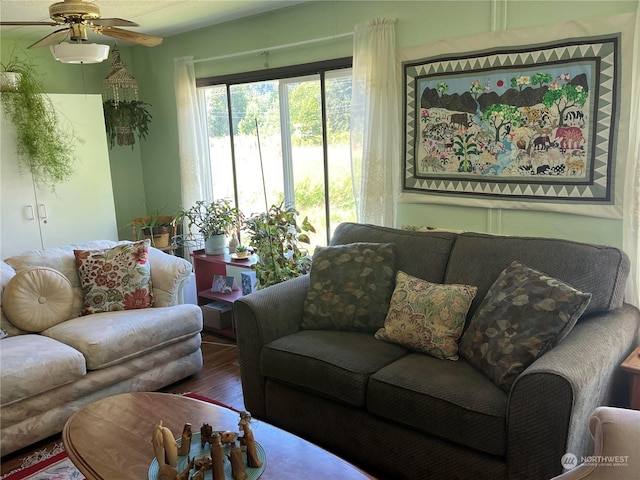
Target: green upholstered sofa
<point>404,414</point>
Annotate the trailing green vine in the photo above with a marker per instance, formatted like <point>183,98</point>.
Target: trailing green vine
<point>44,145</point>
<point>125,118</point>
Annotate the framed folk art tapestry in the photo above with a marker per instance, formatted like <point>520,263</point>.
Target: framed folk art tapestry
<point>533,123</point>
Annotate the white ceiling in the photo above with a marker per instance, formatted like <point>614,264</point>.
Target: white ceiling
<point>155,17</point>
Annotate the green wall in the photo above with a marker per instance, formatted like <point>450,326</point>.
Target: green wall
<point>150,173</point>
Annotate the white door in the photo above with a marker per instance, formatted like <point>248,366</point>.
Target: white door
<point>82,208</point>
<point>19,230</point>
<point>78,210</point>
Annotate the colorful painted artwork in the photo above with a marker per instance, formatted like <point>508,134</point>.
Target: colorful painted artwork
<point>534,122</point>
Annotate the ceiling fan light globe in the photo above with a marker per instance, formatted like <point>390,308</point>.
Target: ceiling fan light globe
<point>79,52</point>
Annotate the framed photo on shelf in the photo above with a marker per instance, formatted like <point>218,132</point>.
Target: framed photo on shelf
<point>223,284</point>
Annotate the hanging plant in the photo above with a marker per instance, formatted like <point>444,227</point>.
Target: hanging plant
<point>44,145</point>
<point>124,120</point>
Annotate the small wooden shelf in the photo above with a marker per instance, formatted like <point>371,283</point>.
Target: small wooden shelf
<point>205,267</point>
<point>224,258</point>
<point>221,297</point>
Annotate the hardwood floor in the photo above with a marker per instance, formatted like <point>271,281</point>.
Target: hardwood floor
<point>219,379</point>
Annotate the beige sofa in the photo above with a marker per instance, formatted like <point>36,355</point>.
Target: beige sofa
<point>46,376</point>
<point>615,433</point>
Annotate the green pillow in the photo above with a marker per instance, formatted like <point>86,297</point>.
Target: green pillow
<point>350,287</point>
<point>524,314</point>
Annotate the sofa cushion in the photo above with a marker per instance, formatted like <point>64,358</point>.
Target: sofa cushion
<point>427,317</point>
<point>37,298</point>
<point>330,363</point>
<point>116,278</point>
<point>524,314</point>
<point>601,270</point>
<point>7,273</point>
<point>350,287</point>
<point>421,254</point>
<point>33,364</point>
<point>63,260</point>
<point>450,400</point>
<point>111,338</point>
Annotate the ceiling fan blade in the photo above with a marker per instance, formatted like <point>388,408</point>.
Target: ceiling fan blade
<point>55,37</point>
<point>8,24</point>
<point>139,38</point>
<point>113,22</point>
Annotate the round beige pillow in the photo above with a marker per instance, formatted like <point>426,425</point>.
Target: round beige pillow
<point>37,298</point>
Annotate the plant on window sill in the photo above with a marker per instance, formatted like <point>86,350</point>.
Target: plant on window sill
<point>213,218</point>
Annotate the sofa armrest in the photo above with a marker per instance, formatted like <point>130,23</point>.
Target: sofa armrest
<point>169,275</point>
<point>550,403</point>
<point>260,318</point>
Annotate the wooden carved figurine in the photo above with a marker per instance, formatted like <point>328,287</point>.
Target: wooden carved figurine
<point>203,463</point>
<point>157,440</point>
<point>165,471</point>
<point>170,447</point>
<point>249,441</point>
<point>185,446</point>
<point>217,457</point>
<point>184,474</point>
<point>228,437</point>
<point>199,475</point>
<point>205,434</point>
<point>237,464</point>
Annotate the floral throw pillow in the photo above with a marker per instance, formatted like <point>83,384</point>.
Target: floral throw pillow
<point>117,278</point>
<point>524,314</point>
<point>350,287</point>
<point>427,317</point>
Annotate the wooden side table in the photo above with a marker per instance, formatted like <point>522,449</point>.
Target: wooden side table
<point>632,365</point>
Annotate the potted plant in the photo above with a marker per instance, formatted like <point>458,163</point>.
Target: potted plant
<point>10,75</point>
<point>242,251</point>
<point>214,220</point>
<point>44,145</point>
<point>277,239</point>
<point>124,120</point>
<point>155,227</point>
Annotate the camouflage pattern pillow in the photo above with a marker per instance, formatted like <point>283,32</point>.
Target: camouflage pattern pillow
<point>524,314</point>
<point>427,317</point>
<point>350,287</point>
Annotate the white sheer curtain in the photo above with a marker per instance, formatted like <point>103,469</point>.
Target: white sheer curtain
<point>375,122</point>
<point>195,176</point>
<point>195,172</point>
<point>631,231</point>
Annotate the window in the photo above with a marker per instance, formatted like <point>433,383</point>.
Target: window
<point>296,120</point>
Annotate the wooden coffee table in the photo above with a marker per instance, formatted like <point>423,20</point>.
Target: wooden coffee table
<point>111,438</point>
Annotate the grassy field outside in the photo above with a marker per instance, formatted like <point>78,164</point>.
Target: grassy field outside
<point>308,178</point>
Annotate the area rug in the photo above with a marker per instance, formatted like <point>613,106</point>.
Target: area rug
<point>54,464</point>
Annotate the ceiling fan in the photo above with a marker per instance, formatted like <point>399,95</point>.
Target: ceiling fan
<point>77,17</point>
